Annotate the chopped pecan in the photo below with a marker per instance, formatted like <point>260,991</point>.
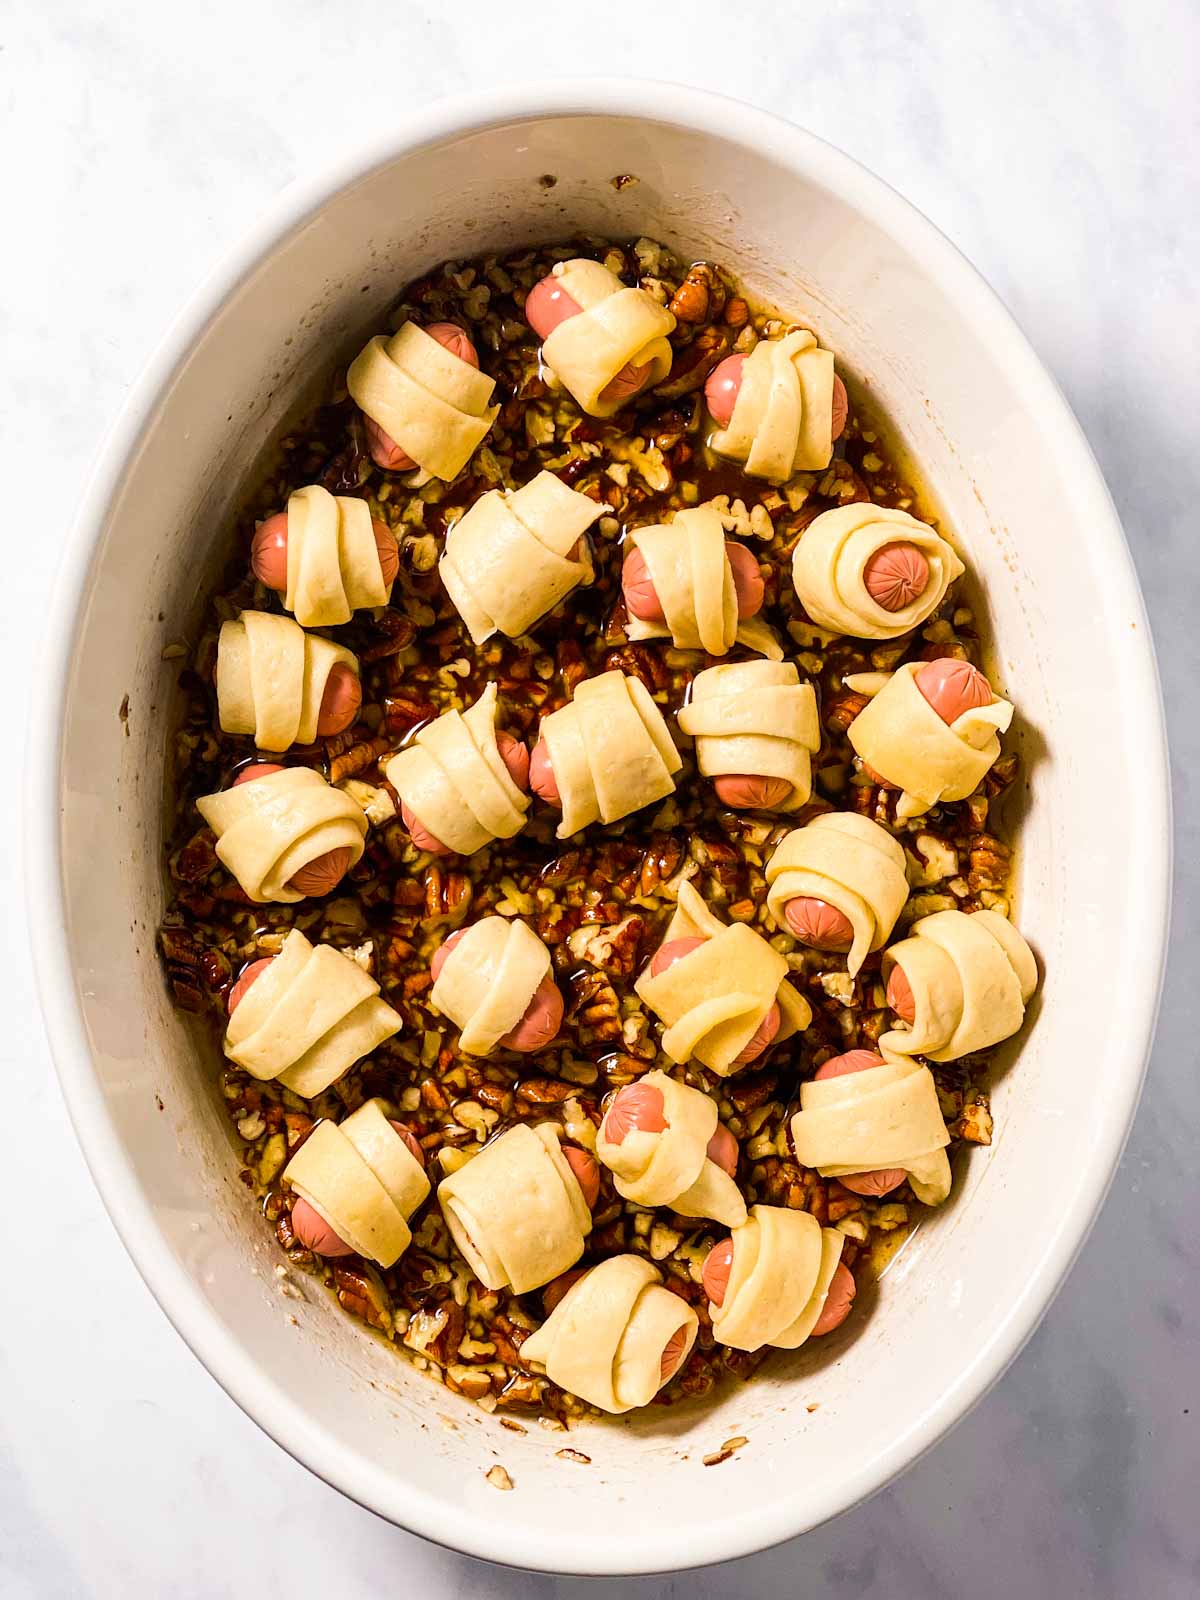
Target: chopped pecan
<point>444,1348</point>
<point>447,895</point>
<point>196,859</point>
<point>695,361</point>
<point>358,758</point>
<point>402,712</point>
<point>612,949</point>
<point>975,1123</point>
<point>298,1128</point>
<point>361,1292</point>
<point>737,313</point>
<point>545,1091</point>
<point>398,632</point>
<point>1002,774</point>
<point>572,667</point>
<point>990,862</point>
<point>592,1005</point>
<point>700,297</point>
<point>748,1093</point>
<point>638,661</point>
<point>661,861</point>
<point>841,709</point>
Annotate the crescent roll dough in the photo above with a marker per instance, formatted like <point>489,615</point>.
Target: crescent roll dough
<point>271,678</point>
<point>692,577</point>
<point>783,1264</point>
<point>828,563</point>
<point>849,862</point>
<point>971,976</point>
<point>508,559</point>
<point>671,1168</point>
<point>452,776</point>
<point>605,1339</point>
<point>333,565</point>
<point>430,401</point>
<point>616,325</point>
<point>610,752</point>
<point>516,1211</point>
<point>887,1116</point>
<point>488,980</point>
<point>308,1017</point>
<point>269,829</point>
<point>902,738</point>
<point>361,1178</point>
<point>714,999</point>
<point>782,418</point>
<point>755,717</point>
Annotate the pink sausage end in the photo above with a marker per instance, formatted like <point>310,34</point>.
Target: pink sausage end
<point>747,579</point>
<point>723,1150</point>
<point>743,791</point>
<point>841,409</point>
<point>442,951</point>
<point>515,757</point>
<point>852,1061</point>
<point>256,769</point>
<point>900,996</point>
<point>818,924</point>
<point>547,304</point>
<point>638,1108</point>
<point>587,1172</point>
<point>324,872</point>
<point>541,1022</point>
<point>722,388</point>
<point>626,386</point>
<point>315,1234</point>
<point>420,834</point>
<point>541,775</point>
<point>268,552</point>
<point>761,1038</point>
<point>673,1354</point>
<point>410,1139</point>
<point>341,700</point>
<point>557,1287</point>
<point>896,575</point>
<point>387,550</point>
<point>253,972</point>
<point>952,687</point>
<point>883,1179</point>
<point>718,1264</point>
<point>668,954</point>
<point>838,1300</point>
<point>641,597</point>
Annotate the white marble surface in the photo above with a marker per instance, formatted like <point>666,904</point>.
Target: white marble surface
<point>1056,144</point>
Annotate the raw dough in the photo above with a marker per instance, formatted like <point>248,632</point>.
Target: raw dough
<point>755,717</point>
<point>488,980</point>
<point>971,977</point>
<point>692,577</point>
<point>827,569</point>
<point>432,403</point>
<point>671,1168</point>
<point>452,776</point>
<point>308,1017</point>
<point>333,565</point>
<point>615,326</point>
<point>901,736</point>
<point>361,1178</point>
<point>849,862</point>
<point>605,1339</point>
<point>516,1211</point>
<point>269,829</point>
<point>610,752</point>
<point>783,1264</point>
<point>782,419</point>
<point>507,560</point>
<point>714,999</point>
<point>885,1116</point>
<point>271,677</point>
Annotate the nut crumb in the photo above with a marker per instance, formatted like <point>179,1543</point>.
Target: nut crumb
<point>574,1455</point>
<point>498,1478</point>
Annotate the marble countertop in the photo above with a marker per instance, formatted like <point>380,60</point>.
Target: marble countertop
<point>1056,145</point>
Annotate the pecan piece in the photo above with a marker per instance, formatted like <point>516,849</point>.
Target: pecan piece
<point>545,1091</point>
<point>360,1291</point>
<point>990,861</point>
<point>447,895</point>
<point>402,712</point>
<point>700,297</point>
<point>193,862</point>
<point>358,758</point>
<point>841,710</point>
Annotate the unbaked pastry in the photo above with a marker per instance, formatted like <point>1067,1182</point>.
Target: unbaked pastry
<point>714,999</point>
<point>607,1338</point>
<point>516,1211</point>
<point>971,977</point>
<point>508,558</point>
<point>828,563</point>
<point>488,980</point>
<point>453,777</point>
<point>782,419</point>
<point>430,401</point>
<point>672,1167</point>
<point>333,567</point>
<point>269,829</point>
<point>307,1018</point>
<point>783,1264</point>
<point>900,736</point>
<point>271,677</point>
<point>688,565</point>
<point>849,862</point>
<point>610,751</point>
<point>361,1178</point>
<point>616,326</point>
<point>755,717</point>
<point>883,1117</point>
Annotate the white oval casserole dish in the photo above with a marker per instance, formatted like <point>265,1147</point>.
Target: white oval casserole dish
<point>928,342</point>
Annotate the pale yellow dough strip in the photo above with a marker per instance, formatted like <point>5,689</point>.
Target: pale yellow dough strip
<point>432,403</point>
<point>829,562</point>
<point>782,419</point>
<point>783,1263</point>
<point>488,980</point>
<point>271,679</point>
<point>616,325</point>
<point>333,565</point>
<point>755,717</point>
<point>269,829</point>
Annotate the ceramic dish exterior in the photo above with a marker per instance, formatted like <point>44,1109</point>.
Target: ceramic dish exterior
<point>1002,455</point>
